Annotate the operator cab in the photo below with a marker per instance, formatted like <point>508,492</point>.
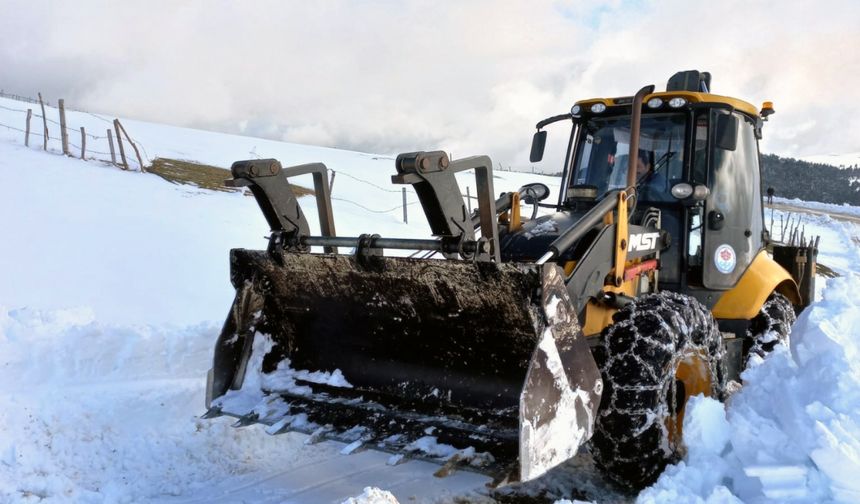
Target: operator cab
<point>697,170</point>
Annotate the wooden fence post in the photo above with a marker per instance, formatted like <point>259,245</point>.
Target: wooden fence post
<point>64,134</point>
<point>110,142</point>
<point>27,134</point>
<point>83,142</point>
<point>405,220</point>
<point>133,146</point>
<point>44,122</point>
<point>119,143</point>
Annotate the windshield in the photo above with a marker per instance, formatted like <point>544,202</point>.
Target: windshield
<point>604,151</point>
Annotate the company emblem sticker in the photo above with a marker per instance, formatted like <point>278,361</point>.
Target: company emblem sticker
<point>725,259</point>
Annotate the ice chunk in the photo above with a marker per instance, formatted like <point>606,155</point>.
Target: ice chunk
<point>372,495</point>
<point>351,447</point>
<point>430,446</point>
<point>395,459</point>
<point>706,430</point>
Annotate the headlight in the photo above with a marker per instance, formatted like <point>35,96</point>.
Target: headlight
<point>701,192</point>
<point>597,108</point>
<point>575,110</point>
<point>682,190</point>
<point>677,102</point>
<point>655,102</point>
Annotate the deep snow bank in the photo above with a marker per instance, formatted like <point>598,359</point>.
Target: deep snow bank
<point>99,413</point>
<point>793,431</point>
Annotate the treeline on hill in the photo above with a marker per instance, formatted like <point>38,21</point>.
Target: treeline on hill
<point>793,178</point>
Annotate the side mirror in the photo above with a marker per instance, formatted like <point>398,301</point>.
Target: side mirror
<point>538,145</point>
<point>532,193</point>
<point>727,132</point>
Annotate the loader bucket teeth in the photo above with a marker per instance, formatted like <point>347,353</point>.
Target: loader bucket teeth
<point>397,459</point>
<point>318,435</point>
<point>212,413</point>
<point>246,420</point>
<point>406,357</point>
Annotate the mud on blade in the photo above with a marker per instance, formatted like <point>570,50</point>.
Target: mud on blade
<point>448,344</point>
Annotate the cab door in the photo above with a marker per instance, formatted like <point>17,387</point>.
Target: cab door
<point>733,218</point>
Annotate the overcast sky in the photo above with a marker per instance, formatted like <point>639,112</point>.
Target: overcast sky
<point>469,77</point>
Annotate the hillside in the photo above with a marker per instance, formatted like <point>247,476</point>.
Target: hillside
<point>811,181</point>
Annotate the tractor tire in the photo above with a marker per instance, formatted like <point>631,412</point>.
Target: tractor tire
<point>660,350</point>
<point>772,325</point>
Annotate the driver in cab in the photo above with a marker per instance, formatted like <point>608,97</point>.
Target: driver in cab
<point>651,185</point>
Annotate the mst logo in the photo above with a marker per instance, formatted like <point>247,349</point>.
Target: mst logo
<point>643,242</point>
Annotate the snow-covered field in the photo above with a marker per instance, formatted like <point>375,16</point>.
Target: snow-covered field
<point>817,206</point>
<point>114,286</point>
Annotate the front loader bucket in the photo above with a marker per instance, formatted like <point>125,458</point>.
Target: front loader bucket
<point>408,355</point>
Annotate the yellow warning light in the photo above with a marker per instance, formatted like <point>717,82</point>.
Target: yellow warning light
<point>766,110</point>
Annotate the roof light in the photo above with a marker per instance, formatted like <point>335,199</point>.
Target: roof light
<point>598,108</point>
<point>677,102</point>
<point>655,102</point>
<point>575,110</point>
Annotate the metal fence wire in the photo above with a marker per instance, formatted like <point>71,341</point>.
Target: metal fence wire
<point>36,134</point>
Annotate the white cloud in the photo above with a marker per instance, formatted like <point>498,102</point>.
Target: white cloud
<point>468,77</point>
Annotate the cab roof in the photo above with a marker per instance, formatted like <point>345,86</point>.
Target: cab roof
<point>690,96</point>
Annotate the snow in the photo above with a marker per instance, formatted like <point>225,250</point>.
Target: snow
<point>250,397</point>
<point>545,227</point>
<point>793,431</point>
<point>372,495</point>
<point>432,447</point>
<point>115,285</point>
<point>844,209</point>
<point>351,447</point>
<point>99,413</point>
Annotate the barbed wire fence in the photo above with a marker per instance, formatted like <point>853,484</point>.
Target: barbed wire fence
<point>409,196</point>
<point>108,148</point>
